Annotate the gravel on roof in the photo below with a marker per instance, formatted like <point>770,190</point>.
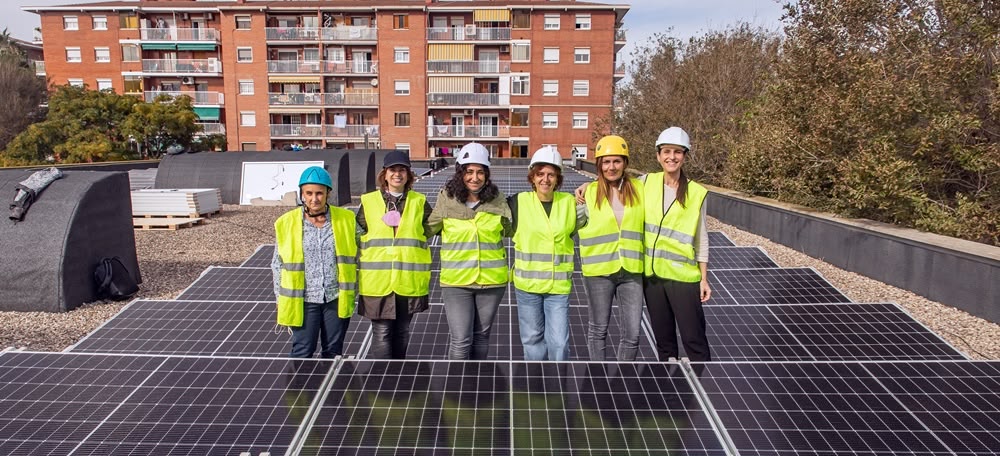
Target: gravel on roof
<point>171,260</point>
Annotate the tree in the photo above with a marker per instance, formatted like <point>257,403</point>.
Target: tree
<point>161,124</point>
<point>21,91</point>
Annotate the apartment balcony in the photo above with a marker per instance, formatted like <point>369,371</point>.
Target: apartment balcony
<point>468,33</point>
<point>469,67</point>
<point>363,67</point>
<point>619,39</point>
<point>349,33</point>
<point>39,67</point>
<point>212,129</point>
<point>619,72</point>
<point>324,131</point>
<point>467,99</point>
<point>173,34</point>
<point>468,131</point>
<point>197,98</point>
<point>312,34</point>
<point>323,99</point>
<point>182,67</point>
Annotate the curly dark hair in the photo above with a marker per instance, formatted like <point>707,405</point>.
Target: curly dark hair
<point>455,188</point>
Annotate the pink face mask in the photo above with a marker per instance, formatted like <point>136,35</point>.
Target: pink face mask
<point>391,218</point>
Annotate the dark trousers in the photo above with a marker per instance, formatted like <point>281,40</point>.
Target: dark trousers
<point>391,337</point>
<point>320,322</point>
<point>677,305</point>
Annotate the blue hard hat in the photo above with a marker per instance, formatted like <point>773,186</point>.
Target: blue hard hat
<point>316,175</point>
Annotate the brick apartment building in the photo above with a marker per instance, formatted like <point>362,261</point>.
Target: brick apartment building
<point>423,75</point>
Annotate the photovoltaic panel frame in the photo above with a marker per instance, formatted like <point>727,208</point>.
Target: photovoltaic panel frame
<point>771,286</point>
<point>231,284</point>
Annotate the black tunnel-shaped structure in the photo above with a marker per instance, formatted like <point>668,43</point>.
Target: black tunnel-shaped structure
<point>363,170</point>
<point>224,170</point>
<point>49,257</point>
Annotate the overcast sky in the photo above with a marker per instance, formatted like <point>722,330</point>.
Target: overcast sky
<point>687,17</point>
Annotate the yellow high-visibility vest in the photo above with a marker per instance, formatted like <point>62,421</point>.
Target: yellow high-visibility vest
<point>605,248</point>
<point>669,238</point>
<point>543,246</point>
<point>291,294</point>
<point>394,262</point>
<point>472,251</point>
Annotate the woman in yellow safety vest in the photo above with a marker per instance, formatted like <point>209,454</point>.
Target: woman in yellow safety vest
<point>315,272</point>
<point>472,216</point>
<point>395,270</point>
<point>676,262</point>
<point>544,222</point>
<point>611,249</point>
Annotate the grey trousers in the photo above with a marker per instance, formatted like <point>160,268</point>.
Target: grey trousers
<point>470,313</point>
<point>390,337</point>
<point>627,287</point>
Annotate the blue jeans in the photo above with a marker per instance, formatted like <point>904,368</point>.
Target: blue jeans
<point>627,287</point>
<point>321,321</point>
<point>544,325</point>
<point>470,313</point>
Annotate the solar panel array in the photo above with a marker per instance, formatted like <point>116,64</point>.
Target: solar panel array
<point>798,369</point>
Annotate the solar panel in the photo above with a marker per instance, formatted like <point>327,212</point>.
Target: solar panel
<point>739,258</point>
<point>719,239</point>
<point>749,333</point>
<point>211,328</point>
<point>823,408</point>
<point>579,321</point>
<point>231,284</point>
<point>429,334</point>
<point>261,258</point>
<point>420,407</point>
<point>771,286</point>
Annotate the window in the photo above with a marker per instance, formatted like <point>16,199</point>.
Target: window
<point>581,88</point>
<point>551,22</point>
<point>246,87</point>
<point>583,22</point>
<point>104,84</point>
<point>75,82</point>
<point>580,151</point>
<point>403,147</point>
<point>128,21</point>
<point>102,54</point>
<point>520,19</point>
<point>314,119</point>
<point>519,117</point>
<point>335,54</point>
<point>73,55</point>
<point>550,88</point>
<point>550,55</point>
<point>581,55</point>
<point>130,53</point>
<point>520,85</point>
<point>520,52</point>
<point>71,23</point>
<point>401,55</point>
<point>400,21</point>
<point>100,22</point>
<point>402,87</point>
<point>581,120</point>
<point>248,147</point>
<point>402,119</point>
<point>133,84</point>
<point>244,54</point>
<point>242,22</point>
<point>248,118</point>
<point>550,120</point>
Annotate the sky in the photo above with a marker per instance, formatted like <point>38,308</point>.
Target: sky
<point>646,17</point>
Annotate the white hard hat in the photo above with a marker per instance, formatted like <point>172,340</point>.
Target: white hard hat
<point>474,153</point>
<point>675,136</point>
<point>547,155</point>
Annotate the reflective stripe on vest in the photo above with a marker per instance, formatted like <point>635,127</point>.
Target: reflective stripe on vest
<point>292,290</point>
<point>543,248</point>
<point>669,238</point>
<point>472,252</point>
<point>605,248</point>
<point>394,262</point>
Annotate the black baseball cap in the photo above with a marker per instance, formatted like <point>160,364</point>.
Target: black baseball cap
<point>396,157</point>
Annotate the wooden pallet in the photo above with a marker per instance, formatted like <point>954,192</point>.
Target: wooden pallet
<point>161,223</point>
<point>176,216</point>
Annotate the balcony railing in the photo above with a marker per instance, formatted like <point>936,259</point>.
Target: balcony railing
<point>181,66</point>
<point>327,131</point>
<point>344,33</point>
<point>39,67</point>
<point>322,67</point>
<point>620,71</point>
<point>468,131</point>
<point>463,99</point>
<point>212,128</point>
<point>198,98</point>
<point>468,33</point>
<point>620,35</point>
<point>474,66</point>
<point>323,99</point>
<point>179,34</point>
